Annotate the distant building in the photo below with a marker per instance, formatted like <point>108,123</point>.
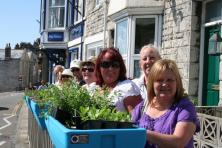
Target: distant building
<point>18,69</point>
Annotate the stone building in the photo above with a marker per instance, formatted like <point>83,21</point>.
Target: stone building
<point>182,29</point>
<point>186,31</point>
<point>28,69</point>
<point>18,69</point>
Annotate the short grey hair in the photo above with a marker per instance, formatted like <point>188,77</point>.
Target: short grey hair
<point>151,46</point>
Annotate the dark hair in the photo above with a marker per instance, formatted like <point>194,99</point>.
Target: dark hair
<point>115,56</point>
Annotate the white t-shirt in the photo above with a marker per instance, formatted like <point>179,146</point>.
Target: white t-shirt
<point>142,87</point>
<point>91,87</point>
<point>122,90</point>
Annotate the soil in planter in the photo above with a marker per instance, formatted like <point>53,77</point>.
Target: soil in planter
<point>109,124</point>
<point>101,124</point>
<point>63,116</point>
<point>92,124</point>
<point>126,125</point>
<point>77,122</point>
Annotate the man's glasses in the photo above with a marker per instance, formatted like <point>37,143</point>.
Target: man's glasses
<point>74,69</point>
<point>89,69</point>
<point>107,64</point>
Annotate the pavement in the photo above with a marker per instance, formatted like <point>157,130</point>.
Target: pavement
<point>22,128</point>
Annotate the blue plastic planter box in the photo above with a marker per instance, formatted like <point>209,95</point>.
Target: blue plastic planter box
<point>28,102</point>
<point>37,114</point>
<point>63,137</point>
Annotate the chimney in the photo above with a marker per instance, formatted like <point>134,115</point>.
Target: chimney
<point>8,52</point>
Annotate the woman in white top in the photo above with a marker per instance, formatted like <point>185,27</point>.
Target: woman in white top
<point>148,56</point>
<point>88,74</point>
<point>111,73</point>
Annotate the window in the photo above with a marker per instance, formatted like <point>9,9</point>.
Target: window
<point>97,3</point>
<point>213,11</point>
<point>121,36</point>
<point>145,31</point>
<point>144,34</point>
<point>136,70</point>
<point>93,49</point>
<point>42,15</point>
<point>79,10</point>
<point>74,54</point>
<point>56,13</point>
<point>131,34</point>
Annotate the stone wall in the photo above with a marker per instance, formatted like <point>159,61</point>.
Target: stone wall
<point>94,18</point>
<point>9,75</point>
<point>181,40</point>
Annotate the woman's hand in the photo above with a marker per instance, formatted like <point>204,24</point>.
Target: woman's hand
<point>131,101</point>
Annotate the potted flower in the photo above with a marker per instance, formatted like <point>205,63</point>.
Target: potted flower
<point>80,109</point>
<point>77,108</point>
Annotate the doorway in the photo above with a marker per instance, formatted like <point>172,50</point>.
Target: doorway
<point>211,70</point>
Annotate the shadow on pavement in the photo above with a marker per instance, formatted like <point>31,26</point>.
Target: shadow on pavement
<point>4,108</point>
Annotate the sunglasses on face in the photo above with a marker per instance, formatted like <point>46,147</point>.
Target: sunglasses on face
<point>89,69</point>
<point>107,64</point>
<point>74,69</point>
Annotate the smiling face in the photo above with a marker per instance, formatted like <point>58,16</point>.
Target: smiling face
<point>148,57</point>
<point>88,74</point>
<point>110,70</point>
<point>165,86</point>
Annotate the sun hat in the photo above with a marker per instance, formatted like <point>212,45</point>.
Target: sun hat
<point>67,72</point>
<point>91,59</point>
<point>75,64</point>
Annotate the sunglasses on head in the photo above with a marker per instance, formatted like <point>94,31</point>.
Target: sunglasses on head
<point>74,69</point>
<point>107,64</point>
<point>89,69</point>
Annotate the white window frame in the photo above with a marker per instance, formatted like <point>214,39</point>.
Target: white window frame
<point>93,47</point>
<point>115,43</point>
<point>48,17</point>
<point>130,57</point>
<point>81,10</point>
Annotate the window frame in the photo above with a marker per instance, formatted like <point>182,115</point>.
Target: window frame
<point>48,16</point>
<point>96,46</point>
<point>80,17</point>
<point>130,57</point>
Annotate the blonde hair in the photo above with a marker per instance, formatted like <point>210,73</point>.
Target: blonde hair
<point>158,68</point>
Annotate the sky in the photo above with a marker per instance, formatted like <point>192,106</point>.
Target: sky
<point>18,21</point>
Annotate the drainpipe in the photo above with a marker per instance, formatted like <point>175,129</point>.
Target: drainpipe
<point>105,22</point>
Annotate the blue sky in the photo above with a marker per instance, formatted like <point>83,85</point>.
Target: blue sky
<point>18,21</point>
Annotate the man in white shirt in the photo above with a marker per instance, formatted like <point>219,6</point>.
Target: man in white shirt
<point>148,56</point>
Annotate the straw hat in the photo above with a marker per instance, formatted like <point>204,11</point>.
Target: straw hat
<point>75,64</point>
<point>91,59</point>
<point>67,72</point>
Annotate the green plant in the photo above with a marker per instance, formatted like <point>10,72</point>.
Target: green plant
<point>68,97</point>
<point>77,101</point>
<point>93,113</point>
<point>31,92</point>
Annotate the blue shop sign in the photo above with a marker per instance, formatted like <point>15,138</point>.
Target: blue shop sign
<point>55,36</point>
<point>77,31</point>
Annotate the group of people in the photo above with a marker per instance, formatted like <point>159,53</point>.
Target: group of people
<point>156,100</point>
